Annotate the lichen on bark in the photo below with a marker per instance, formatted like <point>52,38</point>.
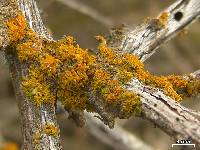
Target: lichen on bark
<point>63,66</point>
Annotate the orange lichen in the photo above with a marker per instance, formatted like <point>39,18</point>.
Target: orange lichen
<point>51,130</point>
<point>158,23</point>
<point>177,81</point>
<point>27,51</point>
<point>193,87</point>
<point>63,66</point>
<point>106,52</point>
<point>163,19</point>
<point>100,78</point>
<point>130,103</point>
<point>36,88</point>
<point>16,28</point>
<point>49,64</point>
<point>36,137</point>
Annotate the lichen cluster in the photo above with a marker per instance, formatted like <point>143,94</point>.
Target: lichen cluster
<point>17,28</point>
<point>62,70</point>
<point>158,23</point>
<point>163,19</point>
<point>51,130</point>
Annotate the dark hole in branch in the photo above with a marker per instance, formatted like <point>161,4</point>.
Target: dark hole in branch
<point>177,119</point>
<point>178,16</point>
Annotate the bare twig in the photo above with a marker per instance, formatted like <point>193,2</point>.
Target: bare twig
<point>146,38</point>
<point>118,138</point>
<point>86,10</point>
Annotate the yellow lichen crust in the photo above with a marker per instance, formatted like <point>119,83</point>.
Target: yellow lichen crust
<point>49,64</point>
<point>130,103</point>
<point>27,50</point>
<point>36,140</point>
<point>36,88</point>
<point>36,137</point>
<point>163,19</point>
<point>64,71</point>
<point>158,23</point>
<point>51,130</point>
<point>192,87</point>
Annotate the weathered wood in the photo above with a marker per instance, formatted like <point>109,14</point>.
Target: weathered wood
<point>147,37</point>
<point>118,138</point>
<point>34,119</point>
<point>171,117</point>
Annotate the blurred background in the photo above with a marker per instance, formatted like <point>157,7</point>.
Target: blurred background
<point>84,19</point>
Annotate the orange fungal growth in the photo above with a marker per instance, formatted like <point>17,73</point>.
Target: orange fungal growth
<point>193,87</point>
<point>36,137</point>
<point>177,81</point>
<point>104,51</point>
<point>131,103</point>
<point>183,33</point>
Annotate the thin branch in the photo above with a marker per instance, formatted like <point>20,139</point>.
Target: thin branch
<point>118,138</point>
<point>146,38</point>
<point>176,120</point>
<point>86,10</point>
<point>32,14</point>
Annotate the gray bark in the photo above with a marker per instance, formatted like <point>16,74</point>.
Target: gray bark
<point>161,110</point>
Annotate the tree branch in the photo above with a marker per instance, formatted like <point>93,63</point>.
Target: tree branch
<point>118,138</point>
<point>32,14</point>
<point>35,120</point>
<point>147,37</point>
<point>86,10</point>
<point>176,120</point>
<point>160,109</point>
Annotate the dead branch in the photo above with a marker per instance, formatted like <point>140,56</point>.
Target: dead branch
<point>118,138</point>
<point>147,37</point>
<point>171,117</point>
<point>86,10</point>
<point>34,119</point>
